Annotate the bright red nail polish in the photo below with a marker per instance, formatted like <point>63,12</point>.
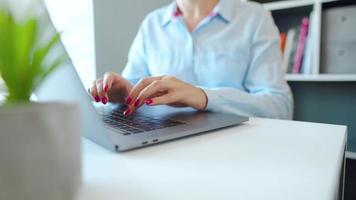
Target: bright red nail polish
<point>127,112</point>
<point>128,100</point>
<point>104,100</point>
<point>149,101</point>
<point>97,99</point>
<point>106,88</point>
<point>137,102</point>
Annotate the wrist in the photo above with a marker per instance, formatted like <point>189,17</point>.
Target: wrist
<point>199,99</point>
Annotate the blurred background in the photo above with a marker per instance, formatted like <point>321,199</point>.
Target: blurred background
<point>98,34</point>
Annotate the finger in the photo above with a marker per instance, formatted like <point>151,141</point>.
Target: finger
<point>109,78</point>
<point>131,108</point>
<point>100,91</point>
<point>161,100</point>
<point>154,89</point>
<point>132,97</point>
<point>93,92</point>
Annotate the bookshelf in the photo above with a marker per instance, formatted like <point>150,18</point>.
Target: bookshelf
<point>324,96</point>
<point>321,96</point>
<point>288,13</point>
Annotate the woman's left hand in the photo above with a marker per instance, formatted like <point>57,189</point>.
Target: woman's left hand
<point>165,90</point>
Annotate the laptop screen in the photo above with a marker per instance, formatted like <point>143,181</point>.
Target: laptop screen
<point>64,84</point>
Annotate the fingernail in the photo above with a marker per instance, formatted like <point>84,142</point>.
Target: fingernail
<point>137,102</point>
<point>149,101</point>
<point>128,100</point>
<point>127,112</point>
<point>97,99</point>
<point>104,100</point>
<point>106,88</point>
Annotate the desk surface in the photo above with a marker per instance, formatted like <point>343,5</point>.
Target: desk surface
<point>262,159</point>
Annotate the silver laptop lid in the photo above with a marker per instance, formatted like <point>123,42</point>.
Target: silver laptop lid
<point>64,85</point>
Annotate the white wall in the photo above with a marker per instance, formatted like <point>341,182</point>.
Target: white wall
<point>106,48</point>
<point>116,24</point>
<point>75,19</point>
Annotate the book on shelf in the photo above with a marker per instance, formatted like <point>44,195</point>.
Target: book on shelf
<point>283,39</point>
<point>308,65</point>
<point>297,48</point>
<point>288,50</point>
<point>300,49</point>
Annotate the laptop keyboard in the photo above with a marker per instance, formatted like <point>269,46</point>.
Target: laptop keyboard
<point>135,124</point>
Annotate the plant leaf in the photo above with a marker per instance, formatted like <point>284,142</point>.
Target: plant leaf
<point>41,53</point>
<point>57,63</point>
<point>23,62</point>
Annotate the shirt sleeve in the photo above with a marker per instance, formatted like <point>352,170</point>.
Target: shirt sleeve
<point>266,93</point>
<point>137,67</point>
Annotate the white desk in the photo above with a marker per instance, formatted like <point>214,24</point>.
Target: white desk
<point>263,159</point>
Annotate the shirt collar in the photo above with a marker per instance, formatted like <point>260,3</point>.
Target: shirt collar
<point>224,9</point>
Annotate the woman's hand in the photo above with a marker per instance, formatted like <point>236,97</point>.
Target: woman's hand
<point>165,90</point>
<point>111,88</point>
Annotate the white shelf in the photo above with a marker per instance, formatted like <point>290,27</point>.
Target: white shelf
<point>288,4</point>
<point>351,155</point>
<point>280,5</point>
<point>326,1</point>
<point>322,77</point>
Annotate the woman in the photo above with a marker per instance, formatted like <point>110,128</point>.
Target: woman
<point>216,55</point>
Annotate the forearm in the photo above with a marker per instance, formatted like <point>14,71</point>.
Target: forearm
<point>267,103</point>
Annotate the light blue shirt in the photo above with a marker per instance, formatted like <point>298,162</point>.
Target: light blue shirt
<point>233,55</point>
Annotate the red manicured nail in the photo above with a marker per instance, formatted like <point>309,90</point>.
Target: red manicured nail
<point>128,100</point>
<point>106,88</point>
<point>104,100</point>
<point>149,101</point>
<point>97,99</point>
<point>137,102</point>
<point>127,112</point>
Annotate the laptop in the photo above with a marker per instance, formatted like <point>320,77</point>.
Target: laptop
<point>106,125</point>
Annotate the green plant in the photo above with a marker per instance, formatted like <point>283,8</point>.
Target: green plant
<point>23,64</point>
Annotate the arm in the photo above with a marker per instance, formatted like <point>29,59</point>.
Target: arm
<point>266,91</point>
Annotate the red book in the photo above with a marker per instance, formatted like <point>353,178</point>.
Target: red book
<point>298,59</point>
<point>283,39</point>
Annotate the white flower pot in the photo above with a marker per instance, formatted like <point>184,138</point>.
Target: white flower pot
<point>39,152</point>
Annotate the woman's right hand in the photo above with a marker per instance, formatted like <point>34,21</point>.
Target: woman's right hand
<point>112,88</point>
